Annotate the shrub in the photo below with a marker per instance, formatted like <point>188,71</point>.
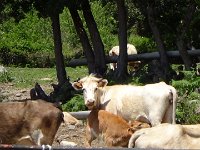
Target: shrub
<point>188,102</point>
<point>142,44</point>
<point>186,112</point>
<point>75,104</point>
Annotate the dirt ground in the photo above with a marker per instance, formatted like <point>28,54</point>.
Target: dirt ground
<point>65,132</point>
<point>75,134</point>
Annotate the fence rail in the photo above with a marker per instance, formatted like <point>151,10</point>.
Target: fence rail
<point>136,57</point>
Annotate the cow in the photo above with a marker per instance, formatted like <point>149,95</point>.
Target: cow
<point>134,65</point>
<point>115,130</point>
<point>152,103</point>
<point>167,136</point>
<point>29,122</point>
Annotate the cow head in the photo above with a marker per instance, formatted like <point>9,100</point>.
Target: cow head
<point>136,125</point>
<point>90,86</point>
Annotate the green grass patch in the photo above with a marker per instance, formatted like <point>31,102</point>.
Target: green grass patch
<point>27,77</point>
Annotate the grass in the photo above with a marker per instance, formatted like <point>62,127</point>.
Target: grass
<point>27,77</point>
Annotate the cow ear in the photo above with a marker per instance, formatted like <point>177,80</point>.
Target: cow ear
<point>77,85</point>
<point>102,83</point>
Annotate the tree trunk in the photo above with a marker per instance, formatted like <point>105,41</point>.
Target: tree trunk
<point>100,64</point>
<point>83,38</point>
<point>181,33</point>
<point>60,68</point>
<point>121,72</point>
<point>163,55</point>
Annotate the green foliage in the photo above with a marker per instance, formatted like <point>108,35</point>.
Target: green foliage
<point>29,35</point>
<point>142,44</point>
<point>189,99</point>
<point>75,104</point>
<point>5,77</point>
<point>106,23</point>
<point>70,41</point>
<point>186,112</point>
<point>189,84</point>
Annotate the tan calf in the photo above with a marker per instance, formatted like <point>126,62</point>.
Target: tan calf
<point>115,130</point>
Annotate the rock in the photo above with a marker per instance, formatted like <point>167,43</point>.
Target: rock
<point>71,127</point>
<point>68,143</point>
<point>18,95</point>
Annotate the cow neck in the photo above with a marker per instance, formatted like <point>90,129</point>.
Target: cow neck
<point>101,97</point>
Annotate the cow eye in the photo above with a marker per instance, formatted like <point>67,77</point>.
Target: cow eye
<point>95,89</point>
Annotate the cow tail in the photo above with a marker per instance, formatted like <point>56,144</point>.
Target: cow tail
<point>133,138</point>
<point>174,96</point>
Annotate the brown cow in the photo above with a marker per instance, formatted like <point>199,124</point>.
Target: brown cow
<point>29,122</point>
<point>115,130</point>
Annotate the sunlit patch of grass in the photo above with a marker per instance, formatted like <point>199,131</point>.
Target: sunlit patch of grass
<point>27,77</point>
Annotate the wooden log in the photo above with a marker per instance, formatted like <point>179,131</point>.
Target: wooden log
<point>136,57</point>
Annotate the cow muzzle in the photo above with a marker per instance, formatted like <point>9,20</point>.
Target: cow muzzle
<point>90,104</point>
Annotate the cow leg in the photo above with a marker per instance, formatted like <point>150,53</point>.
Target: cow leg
<point>37,135</point>
<point>26,140</point>
<point>90,136</point>
<point>109,142</point>
<point>112,66</point>
<point>168,115</point>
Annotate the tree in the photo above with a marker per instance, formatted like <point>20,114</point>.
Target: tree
<point>121,72</point>
<point>163,56</point>
<point>99,54</point>
<point>60,67</point>
<point>83,36</point>
<point>52,9</point>
<point>182,29</point>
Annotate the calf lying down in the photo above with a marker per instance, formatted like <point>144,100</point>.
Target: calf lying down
<point>115,130</point>
<point>167,136</point>
<point>29,123</point>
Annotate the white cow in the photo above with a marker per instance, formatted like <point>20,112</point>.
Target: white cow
<point>167,136</point>
<point>152,103</point>
<point>130,50</point>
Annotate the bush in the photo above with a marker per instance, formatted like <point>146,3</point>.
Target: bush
<point>75,104</point>
<point>19,58</point>
<point>189,99</point>
<point>187,85</point>
<point>186,112</point>
<point>142,44</point>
